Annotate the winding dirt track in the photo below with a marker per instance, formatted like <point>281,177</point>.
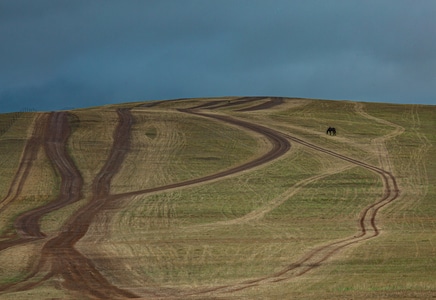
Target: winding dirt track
<point>314,258</point>
<point>273,101</point>
<point>59,254</point>
<point>78,272</point>
<point>29,155</point>
<point>280,145</point>
<point>56,138</point>
<point>52,132</point>
<point>60,258</point>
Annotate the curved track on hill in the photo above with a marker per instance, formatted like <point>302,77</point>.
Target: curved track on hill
<point>280,145</point>
<point>52,132</point>
<point>29,154</point>
<point>60,257</point>
<point>313,259</point>
<point>71,185</point>
<point>59,253</point>
<point>272,102</point>
<point>79,273</point>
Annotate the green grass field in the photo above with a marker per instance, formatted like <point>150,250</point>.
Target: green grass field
<point>288,228</point>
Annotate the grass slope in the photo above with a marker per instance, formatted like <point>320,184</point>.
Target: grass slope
<point>230,237</point>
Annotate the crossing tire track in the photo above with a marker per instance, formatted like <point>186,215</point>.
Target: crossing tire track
<point>313,259</point>
<point>80,274</point>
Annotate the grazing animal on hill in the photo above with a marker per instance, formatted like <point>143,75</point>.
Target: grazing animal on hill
<point>331,131</point>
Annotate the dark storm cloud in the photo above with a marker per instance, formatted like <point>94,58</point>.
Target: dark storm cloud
<point>57,54</point>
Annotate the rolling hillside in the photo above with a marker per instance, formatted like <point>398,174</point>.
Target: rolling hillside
<point>219,198</point>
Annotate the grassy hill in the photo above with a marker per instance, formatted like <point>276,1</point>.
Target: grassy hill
<point>219,198</point>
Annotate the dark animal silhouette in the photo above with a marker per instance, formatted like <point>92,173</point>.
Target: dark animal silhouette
<point>331,131</point>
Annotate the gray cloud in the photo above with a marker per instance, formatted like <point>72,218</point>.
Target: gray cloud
<point>59,54</point>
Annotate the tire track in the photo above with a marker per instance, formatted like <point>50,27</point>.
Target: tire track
<point>273,101</point>
<point>267,207</point>
<point>313,259</point>
<point>58,255</point>
<point>78,272</point>
<point>280,145</point>
<point>71,179</point>
<point>53,135</point>
<point>380,142</point>
<point>28,156</point>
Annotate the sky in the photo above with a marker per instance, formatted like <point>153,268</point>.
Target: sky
<point>62,54</point>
